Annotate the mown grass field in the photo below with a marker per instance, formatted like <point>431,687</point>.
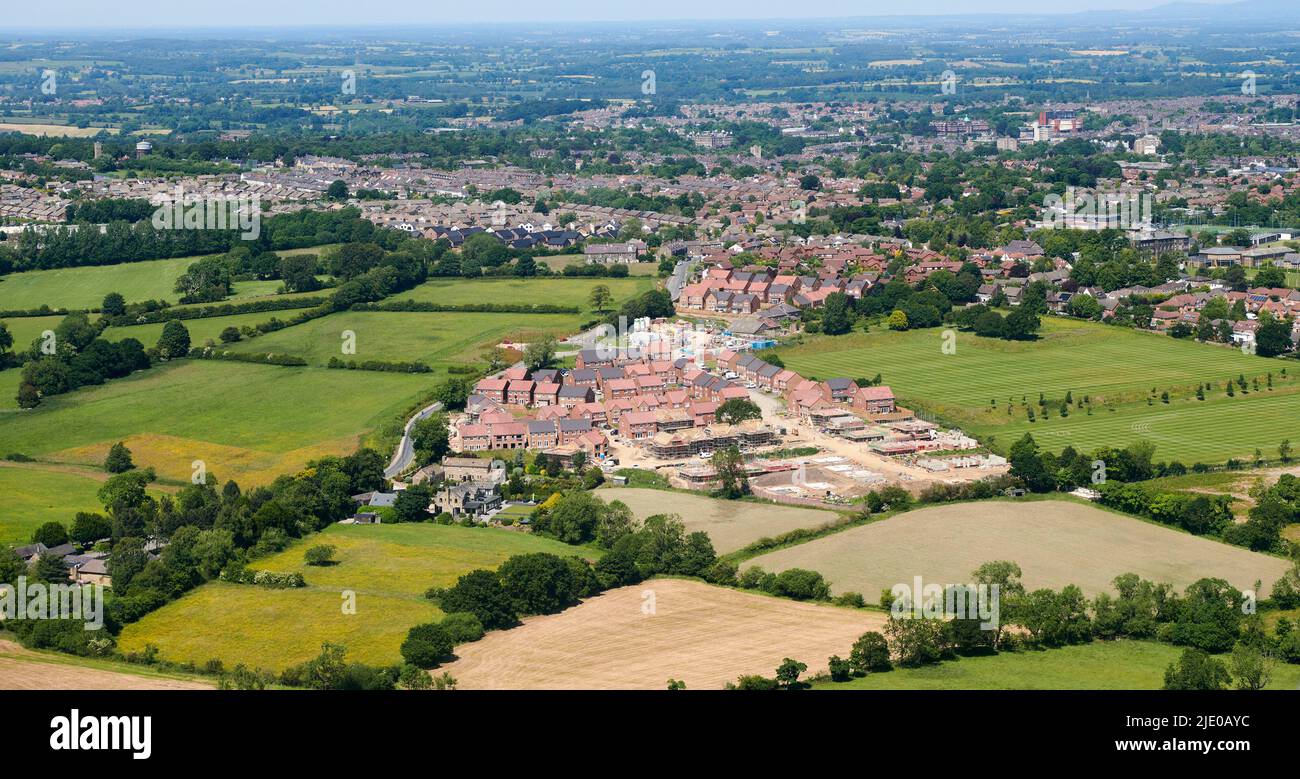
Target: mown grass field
<point>246,422</point>
<point>558,292</point>
<point>1054,542</point>
<point>1115,368</point>
<point>1101,665</point>
<point>33,497</point>
<point>388,567</point>
<point>201,330</point>
<point>85,287</point>
<point>437,339</point>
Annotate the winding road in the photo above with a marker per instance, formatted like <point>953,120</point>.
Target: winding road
<point>405,450</point>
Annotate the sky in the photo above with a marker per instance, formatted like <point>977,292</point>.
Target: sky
<point>97,14</point>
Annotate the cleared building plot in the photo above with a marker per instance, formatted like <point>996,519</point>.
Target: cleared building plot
<point>1055,543</point>
<point>730,524</point>
<point>703,635</point>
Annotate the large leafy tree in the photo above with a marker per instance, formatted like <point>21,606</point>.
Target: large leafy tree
<point>174,341</point>
<point>738,410</point>
<point>431,438</point>
<point>480,593</point>
<point>838,315</point>
<point>1196,670</point>
<point>730,467</point>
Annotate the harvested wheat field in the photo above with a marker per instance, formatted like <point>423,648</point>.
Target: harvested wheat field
<point>21,669</point>
<point>703,635</point>
<point>730,524</point>
<point>1055,543</point>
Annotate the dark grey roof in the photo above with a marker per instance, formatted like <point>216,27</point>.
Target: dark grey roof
<point>383,498</point>
<point>30,550</point>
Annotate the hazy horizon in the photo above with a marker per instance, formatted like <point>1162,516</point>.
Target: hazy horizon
<point>92,15</point>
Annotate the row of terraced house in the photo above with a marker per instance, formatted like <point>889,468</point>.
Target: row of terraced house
<point>639,398</point>
<point>803,395</point>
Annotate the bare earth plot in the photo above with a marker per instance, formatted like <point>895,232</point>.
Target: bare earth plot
<point>1055,543</point>
<point>703,635</point>
<point>730,524</point>
<point>24,670</point>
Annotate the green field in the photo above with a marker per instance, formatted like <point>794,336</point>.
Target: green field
<point>85,287</point>
<point>33,497</point>
<point>9,390</point>
<point>388,567</point>
<point>557,292</point>
<point>437,339</point>
<point>26,329</point>
<point>247,422</point>
<point>1101,665</point>
<point>201,330</point>
<point>1114,367</point>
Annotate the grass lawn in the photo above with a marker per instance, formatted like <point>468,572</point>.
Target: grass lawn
<point>85,287</point>
<point>246,422</point>
<point>1115,368</point>
<point>1101,665</point>
<point>516,512</point>
<point>559,292</point>
<point>33,497</point>
<point>438,339</point>
<point>388,567</point>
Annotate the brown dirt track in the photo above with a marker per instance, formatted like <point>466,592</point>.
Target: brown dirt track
<point>701,634</point>
<point>24,670</point>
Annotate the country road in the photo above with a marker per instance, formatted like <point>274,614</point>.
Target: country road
<point>405,451</point>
